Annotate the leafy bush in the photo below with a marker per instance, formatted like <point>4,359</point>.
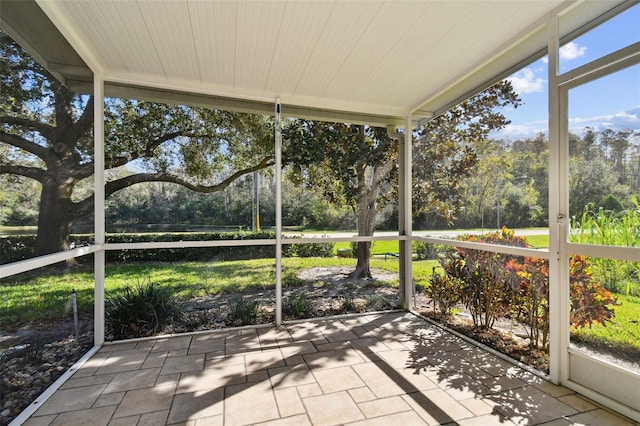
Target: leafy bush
<point>297,305</point>
<point>142,310</point>
<point>378,302</point>
<point>444,290</point>
<point>427,251</point>
<point>20,247</point>
<point>314,249</point>
<point>243,310</point>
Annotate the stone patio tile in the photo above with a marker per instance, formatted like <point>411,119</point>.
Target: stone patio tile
<point>377,377</point>
<point>299,420</point>
<point>257,376</point>
<point>211,377</point>
<point>291,375</point>
<point>339,335</point>
<point>305,332</point>
<point>153,419</point>
<point>249,403</point>
<point>168,379</point>
<point>222,360</point>
<point>71,399</point>
<point>206,421</point>
<point>289,349</point>
<point>311,389</point>
<point>289,402</point>
<point>435,406</point>
<point>118,346</point>
<point>332,359</point>
<point>362,394</point>
<point>133,380</point>
<point>125,421</point>
<point>502,383</point>
<point>148,400</point>
<point>477,406</point>
<point>109,399</point>
<point>177,352</point>
<point>75,382</point>
<point>127,360</point>
<point>338,379</point>
<point>368,344</point>
<point>206,343</point>
<point>171,343</point>
<point>40,421</point>
<point>578,402</point>
<point>530,405</point>
<point>242,344</point>
<point>332,409</point>
<point>183,364</point>
<point>332,346</point>
<point>550,388</point>
<point>155,359</point>
<point>274,336</point>
<point>599,417</point>
<point>486,420</point>
<point>92,416</point>
<point>384,406</point>
<point>405,418</point>
<point>194,405</point>
<point>264,360</point>
<point>461,387</point>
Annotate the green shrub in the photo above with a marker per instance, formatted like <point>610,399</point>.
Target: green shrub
<point>427,251</point>
<point>444,290</point>
<point>378,302</point>
<point>142,310</point>
<point>314,249</point>
<point>243,310</point>
<point>297,305</point>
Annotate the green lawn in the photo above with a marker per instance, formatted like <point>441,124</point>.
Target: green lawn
<point>622,332</point>
<point>46,297</point>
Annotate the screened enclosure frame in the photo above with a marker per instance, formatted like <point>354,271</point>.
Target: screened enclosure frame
<point>562,358</point>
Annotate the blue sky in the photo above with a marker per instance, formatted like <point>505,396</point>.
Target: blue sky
<point>611,102</point>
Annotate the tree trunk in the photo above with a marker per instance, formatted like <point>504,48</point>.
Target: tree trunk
<point>54,220</point>
<point>366,225</point>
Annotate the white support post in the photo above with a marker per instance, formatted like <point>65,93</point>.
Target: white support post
<point>558,216</point>
<point>278,153</point>
<point>407,164</point>
<point>99,215</point>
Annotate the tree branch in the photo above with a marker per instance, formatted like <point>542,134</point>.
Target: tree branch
<point>30,172</point>
<point>146,153</point>
<point>127,181</point>
<point>45,129</point>
<point>22,143</point>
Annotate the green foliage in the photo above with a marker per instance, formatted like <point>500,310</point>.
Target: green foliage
<point>243,310</point>
<point>348,305</point>
<point>491,285</point>
<point>141,310</point>
<point>611,203</point>
<point>325,249</point>
<point>608,227</point>
<point>426,251</point>
<point>378,302</point>
<point>297,305</point>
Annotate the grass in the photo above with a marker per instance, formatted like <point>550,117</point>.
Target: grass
<point>46,297</point>
<point>621,334</point>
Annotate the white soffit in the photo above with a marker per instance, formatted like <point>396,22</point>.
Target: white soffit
<point>385,58</point>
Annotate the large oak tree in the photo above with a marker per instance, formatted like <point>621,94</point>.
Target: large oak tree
<point>357,165</point>
<point>47,132</point>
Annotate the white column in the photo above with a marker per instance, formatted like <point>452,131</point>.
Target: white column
<point>99,215</point>
<point>407,163</point>
<point>558,215</point>
<point>278,152</point>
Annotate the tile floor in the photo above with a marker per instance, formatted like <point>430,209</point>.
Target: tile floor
<point>368,370</point>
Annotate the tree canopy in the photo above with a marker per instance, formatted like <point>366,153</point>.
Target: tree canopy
<point>47,132</point>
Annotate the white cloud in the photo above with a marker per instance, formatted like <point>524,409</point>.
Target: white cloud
<point>525,81</point>
<point>571,51</point>
<point>629,119</point>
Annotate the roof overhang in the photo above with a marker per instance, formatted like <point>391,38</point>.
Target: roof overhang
<point>370,62</point>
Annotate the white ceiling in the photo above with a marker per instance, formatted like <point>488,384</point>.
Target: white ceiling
<point>385,58</point>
